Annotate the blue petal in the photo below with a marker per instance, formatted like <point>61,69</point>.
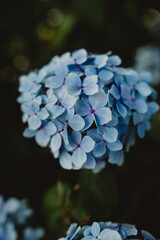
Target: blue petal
<point>103,115</point>
<point>116,146</point>
<point>121,71</point>
<point>140,106</point>
<point>101,60</point>
<point>115,92</point>
<point>121,109</point>
<point>80,56</point>
<point>141,130</point>
<point>69,101</point>
<point>116,157</point>
<point>143,88</point>
<point>95,229</point>
<point>82,107</point>
<point>94,135</point>
<point>76,122</point>
<point>76,137</point>
<point>146,77</point>
<point>88,121</point>
<point>50,128</point>
<point>64,135</point>
<point>53,82</point>
<point>105,75</point>
<point>147,235</point>
<point>110,134</point>
<point>56,142</point>
<point>34,122</point>
<point>90,85</point>
<point>42,138</point>
<point>90,71</point>
<point>29,133</point>
<point>87,144</point>
<point>98,100</point>
<point>43,114</point>
<point>55,110</point>
<point>110,234</point>
<point>79,157</point>
<point>66,160</point>
<point>99,166</point>
<point>114,60</point>
<point>99,149</point>
<point>73,84</point>
<point>90,163</point>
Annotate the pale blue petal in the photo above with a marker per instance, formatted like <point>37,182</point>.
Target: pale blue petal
<point>76,137</point>
<point>66,160</point>
<point>29,133</point>
<point>64,135</point>
<point>99,166</point>
<point>153,107</point>
<point>115,92</point>
<point>34,122</point>
<point>98,100</point>
<point>95,229</point>
<point>143,88</point>
<point>110,134</point>
<point>55,110</point>
<point>79,157</point>
<point>43,114</point>
<point>53,82</point>
<point>116,157</point>
<point>101,60</point>
<point>76,122</point>
<point>140,106</point>
<point>73,83</point>
<point>50,128</point>
<point>87,144</point>
<point>90,163</point>
<point>90,71</point>
<point>42,138</point>
<point>105,75</point>
<point>103,115</point>
<point>114,60</point>
<point>82,107</point>
<point>94,135</point>
<point>90,86</point>
<point>99,149</point>
<point>56,142</point>
<point>80,56</point>
<point>116,146</point>
<point>138,118</point>
<point>69,101</point>
<point>110,234</point>
<point>121,71</point>
<point>121,109</point>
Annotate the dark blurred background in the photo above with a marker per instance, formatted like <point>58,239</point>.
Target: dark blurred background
<point>32,32</point>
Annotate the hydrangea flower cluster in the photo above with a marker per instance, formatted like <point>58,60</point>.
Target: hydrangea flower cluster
<point>14,213</point>
<point>147,58</point>
<point>105,231</point>
<point>86,108</point>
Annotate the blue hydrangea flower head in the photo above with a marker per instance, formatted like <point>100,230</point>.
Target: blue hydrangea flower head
<point>105,231</point>
<point>86,108</point>
<point>14,213</point>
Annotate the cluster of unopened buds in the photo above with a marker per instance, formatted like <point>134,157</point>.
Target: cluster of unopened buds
<point>105,231</point>
<point>86,108</point>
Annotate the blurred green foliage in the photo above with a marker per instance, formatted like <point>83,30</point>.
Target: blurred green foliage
<point>94,197</point>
